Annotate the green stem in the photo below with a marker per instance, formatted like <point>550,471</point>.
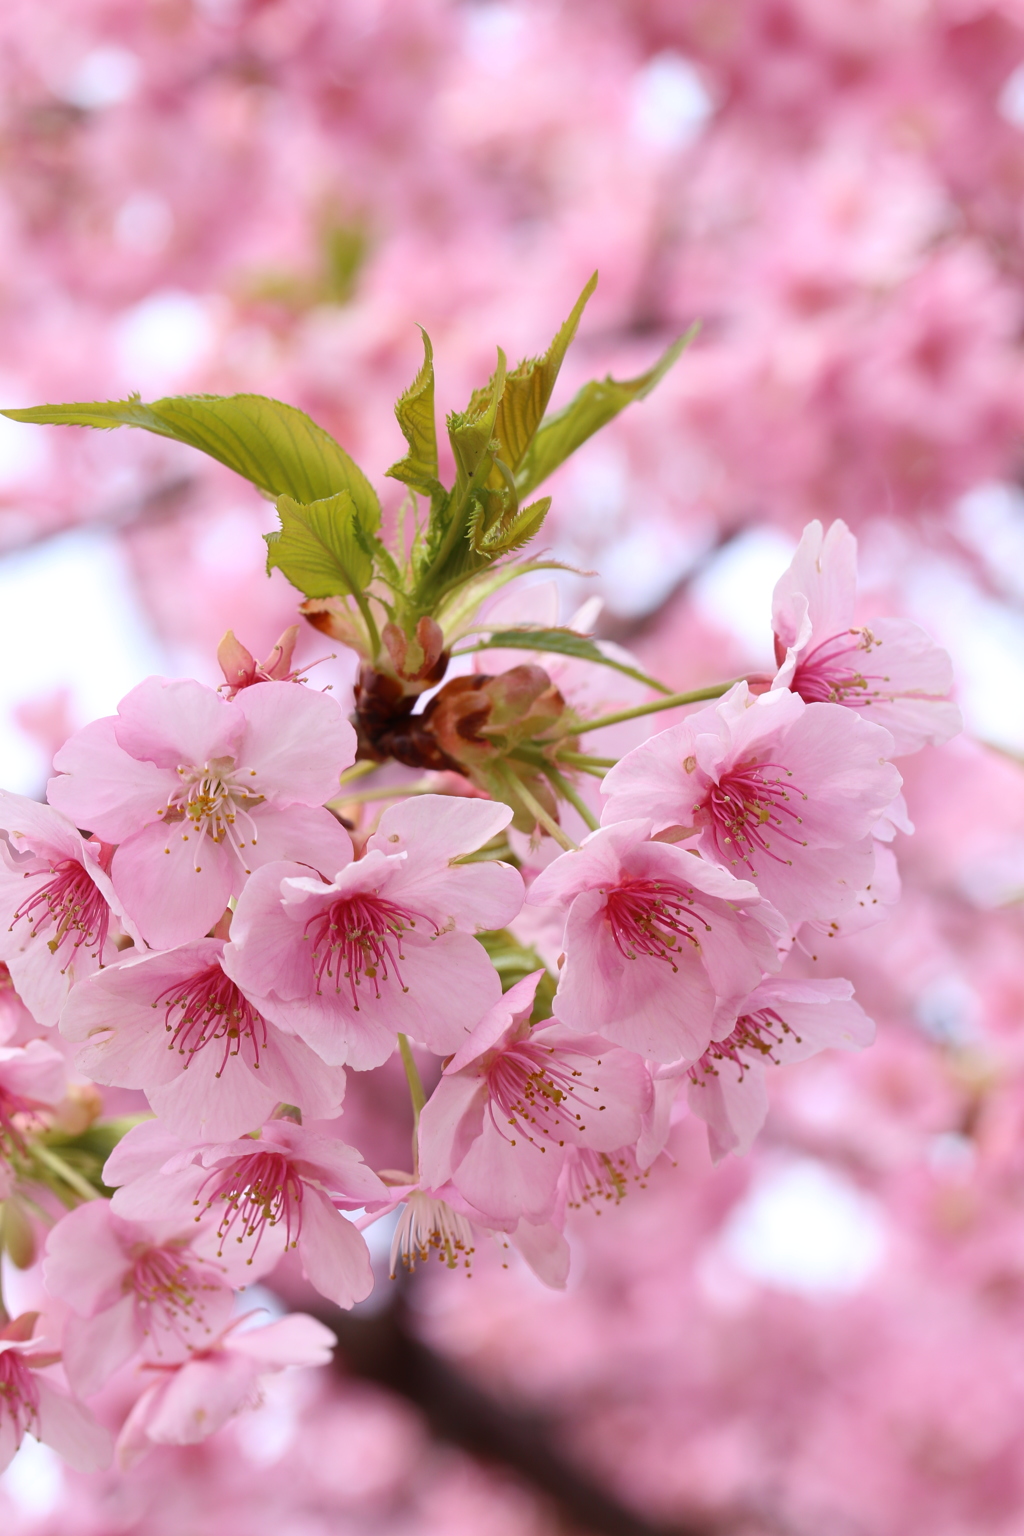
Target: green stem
<point>358,771</point>
<point>371,628</point>
<point>416,1094</point>
<point>64,1171</point>
<point>597,765</point>
<point>385,792</point>
<point>515,786</point>
<point>561,786</point>
<point>674,701</point>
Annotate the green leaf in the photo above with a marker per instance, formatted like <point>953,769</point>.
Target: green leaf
<point>512,532</point>
<point>527,390</point>
<point>319,547</point>
<point>560,434</point>
<point>276,446</point>
<point>415,412</point>
<point>564,642</point>
<point>472,431</point>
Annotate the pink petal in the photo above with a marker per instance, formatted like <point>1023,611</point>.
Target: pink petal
<point>335,1258</point>
<point>824,572</point>
<point>545,1250</point>
<point>450,1122</point>
<point>476,897</point>
<point>267,955</point>
<point>159,1196</point>
<point>504,1018</point>
<point>215,1098</point>
<point>42,981</point>
<point>39,828</point>
<point>338,1167</point>
<point>506,1176</point>
<point>297,1339</point>
<point>174,883</point>
<point>298,1076</point>
<point>297,740</point>
<point>33,1071</point>
<point>615,1083</point>
<point>433,829</point>
<point>70,1429</point>
<point>176,721</point>
<point>308,835</point>
<point>141,1151</point>
<point>732,1103</point>
<point>103,788</point>
<point>93,1348</point>
<point>86,1261</point>
<point>201,1397</point>
<point>643,1004</point>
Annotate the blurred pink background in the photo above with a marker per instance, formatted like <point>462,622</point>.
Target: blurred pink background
<point>270,195</point>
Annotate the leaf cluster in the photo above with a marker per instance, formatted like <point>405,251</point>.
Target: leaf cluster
<point>505,444</point>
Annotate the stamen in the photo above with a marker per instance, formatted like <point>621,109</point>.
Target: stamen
<point>749,807</point>
<point>826,675</point>
<point>74,903</point>
<point>649,917</point>
<point>762,1032</point>
<point>212,1009</point>
<point>359,936</point>
<point>167,1289</point>
<point>536,1093</point>
<point>258,1191</point>
<point>427,1226</point>
<point>214,801</point>
<point>593,1177</point>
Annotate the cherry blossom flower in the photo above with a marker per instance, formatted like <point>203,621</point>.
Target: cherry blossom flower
<point>131,1287</point>
<point>58,910</point>
<point>656,940</point>
<point>175,1025</point>
<point>242,670</point>
<point>31,1404</point>
<point>384,947</point>
<point>781,1021</point>
<point>441,1223</point>
<point>891,671</point>
<point>783,793</point>
<point>256,1199</point>
<point>197,791</point>
<point>511,1101</point>
<point>190,1400</point>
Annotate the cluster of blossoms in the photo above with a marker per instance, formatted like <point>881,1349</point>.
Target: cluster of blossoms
<point>192,913</point>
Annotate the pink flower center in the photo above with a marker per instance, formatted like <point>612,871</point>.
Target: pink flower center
<point>212,1011</point>
<point>750,810</point>
<point>216,802</point>
<point>652,917</point>
<point>359,936</point>
<point>761,1033</point>
<point>167,1290</point>
<point>592,1177</point>
<point>258,1191</point>
<point>829,674</point>
<point>19,1396</point>
<point>74,904</point>
<point>537,1094</point>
